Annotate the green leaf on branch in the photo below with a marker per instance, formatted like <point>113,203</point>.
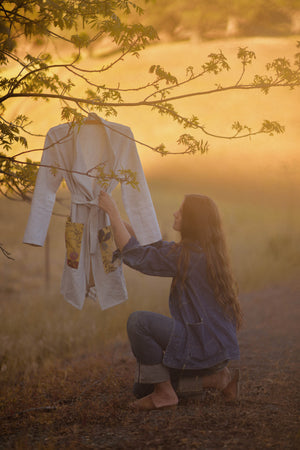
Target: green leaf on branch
<point>123,176</point>
<point>216,64</point>
<point>80,40</point>
<point>162,74</point>
<point>71,115</point>
<point>192,144</point>
<point>238,127</point>
<point>270,128</point>
<point>17,179</point>
<point>161,149</point>
<point>263,82</point>
<point>246,56</point>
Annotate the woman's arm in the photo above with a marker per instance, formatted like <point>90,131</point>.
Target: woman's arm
<point>129,228</point>
<point>159,260</point>
<point>120,231</point>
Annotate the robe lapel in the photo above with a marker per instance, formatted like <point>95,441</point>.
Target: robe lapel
<point>83,183</point>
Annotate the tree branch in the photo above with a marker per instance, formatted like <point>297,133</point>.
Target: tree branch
<point>95,102</point>
<point>103,178</point>
<point>6,253</point>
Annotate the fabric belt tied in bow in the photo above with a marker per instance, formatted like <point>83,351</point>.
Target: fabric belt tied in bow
<point>92,221</point>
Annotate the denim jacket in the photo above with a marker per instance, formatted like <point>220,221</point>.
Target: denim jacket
<point>202,335</point>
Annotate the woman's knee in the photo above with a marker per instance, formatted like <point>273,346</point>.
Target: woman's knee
<point>133,322</point>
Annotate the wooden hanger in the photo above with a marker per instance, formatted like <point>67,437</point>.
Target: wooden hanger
<point>92,119</point>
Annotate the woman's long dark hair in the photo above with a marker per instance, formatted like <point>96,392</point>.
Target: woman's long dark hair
<point>201,223</point>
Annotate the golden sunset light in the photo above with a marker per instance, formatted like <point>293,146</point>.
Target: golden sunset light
<point>150,224</point>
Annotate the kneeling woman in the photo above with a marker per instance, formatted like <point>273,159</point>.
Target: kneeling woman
<point>203,302</point>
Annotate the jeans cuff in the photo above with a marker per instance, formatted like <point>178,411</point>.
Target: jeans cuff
<point>156,373</point>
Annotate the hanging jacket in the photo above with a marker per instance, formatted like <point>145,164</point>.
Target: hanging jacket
<point>71,151</point>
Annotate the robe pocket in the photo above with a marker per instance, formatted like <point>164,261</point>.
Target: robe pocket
<point>73,239</point>
<point>107,248</point>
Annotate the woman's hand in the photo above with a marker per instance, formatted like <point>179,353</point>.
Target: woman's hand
<point>107,203</point>
<point>120,232</point>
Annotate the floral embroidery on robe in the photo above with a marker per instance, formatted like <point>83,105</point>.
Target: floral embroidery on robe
<point>107,247</point>
<point>73,238</point>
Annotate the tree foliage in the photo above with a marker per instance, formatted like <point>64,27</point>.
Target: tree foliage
<point>79,24</point>
<point>206,18</point>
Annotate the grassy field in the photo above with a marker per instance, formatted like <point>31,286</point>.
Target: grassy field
<point>255,184</point>
<point>38,326</point>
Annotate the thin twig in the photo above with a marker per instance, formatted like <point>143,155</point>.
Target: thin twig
<point>39,408</point>
<point>6,253</point>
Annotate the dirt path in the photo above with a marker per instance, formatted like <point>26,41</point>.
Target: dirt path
<point>82,403</point>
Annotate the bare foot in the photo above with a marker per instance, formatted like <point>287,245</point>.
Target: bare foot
<point>162,397</point>
<point>232,390</point>
<point>218,380</point>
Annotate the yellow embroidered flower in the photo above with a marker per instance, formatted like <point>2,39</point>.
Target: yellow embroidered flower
<point>73,238</point>
<point>107,247</point>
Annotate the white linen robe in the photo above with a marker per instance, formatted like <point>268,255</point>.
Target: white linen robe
<point>80,149</point>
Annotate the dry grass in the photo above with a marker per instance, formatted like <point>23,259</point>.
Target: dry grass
<point>83,402</point>
<point>38,327</point>
<point>255,183</point>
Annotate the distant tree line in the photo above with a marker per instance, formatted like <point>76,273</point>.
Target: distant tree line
<point>210,19</point>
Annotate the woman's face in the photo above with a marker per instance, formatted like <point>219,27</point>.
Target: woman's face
<point>178,219</point>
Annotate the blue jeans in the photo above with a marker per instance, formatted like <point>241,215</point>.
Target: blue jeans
<point>149,334</point>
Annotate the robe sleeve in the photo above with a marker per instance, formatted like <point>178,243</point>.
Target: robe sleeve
<point>46,186</point>
<point>137,201</point>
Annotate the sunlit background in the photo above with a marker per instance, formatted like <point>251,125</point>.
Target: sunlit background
<point>255,182</point>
